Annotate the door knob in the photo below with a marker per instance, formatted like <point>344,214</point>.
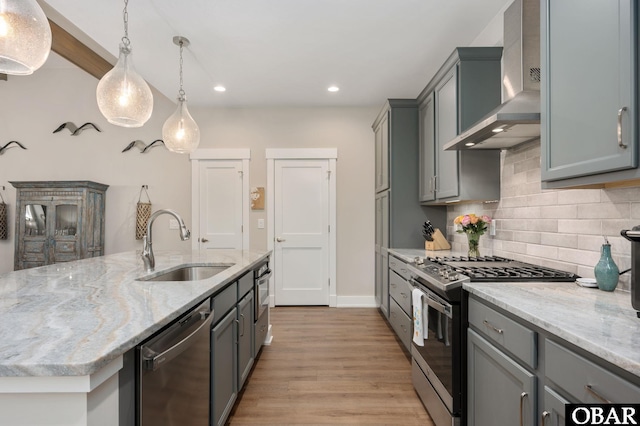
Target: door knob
<point>280,239</point>
<point>204,240</point>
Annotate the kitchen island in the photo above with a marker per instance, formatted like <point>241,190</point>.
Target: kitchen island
<point>66,327</point>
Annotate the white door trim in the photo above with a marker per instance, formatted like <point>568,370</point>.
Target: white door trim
<point>219,154</point>
<point>330,154</point>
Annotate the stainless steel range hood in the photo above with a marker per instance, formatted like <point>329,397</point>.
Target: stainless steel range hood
<point>517,119</point>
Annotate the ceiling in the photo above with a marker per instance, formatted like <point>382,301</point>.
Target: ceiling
<point>286,52</point>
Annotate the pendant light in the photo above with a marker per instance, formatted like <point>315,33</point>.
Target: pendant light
<point>180,132</point>
<point>124,98</point>
<point>25,37</point>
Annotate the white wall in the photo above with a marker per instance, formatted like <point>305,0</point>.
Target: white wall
<point>349,130</point>
<point>33,106</point>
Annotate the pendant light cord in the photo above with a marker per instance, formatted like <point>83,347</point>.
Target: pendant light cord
<point>125,17</point>
<point>181,91</point>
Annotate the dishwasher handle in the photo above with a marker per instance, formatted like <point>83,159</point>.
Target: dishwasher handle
<point>153,360</point>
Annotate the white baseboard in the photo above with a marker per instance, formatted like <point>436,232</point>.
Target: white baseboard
<point>356,302</point>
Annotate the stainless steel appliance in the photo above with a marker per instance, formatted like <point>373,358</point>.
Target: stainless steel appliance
<point>261,290</point>
<point>517,119</point>
<point>633,235</point>
<point>174,372</point>
<point>438,367</point>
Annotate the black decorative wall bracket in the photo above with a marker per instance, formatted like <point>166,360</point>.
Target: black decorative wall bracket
<point>9,145</point>
<point>142,146</point>
<point>75,130</point>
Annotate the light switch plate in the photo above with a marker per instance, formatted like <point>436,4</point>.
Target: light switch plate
<point>260,223</point>
<point>173,224</point>
<point>492,228</point>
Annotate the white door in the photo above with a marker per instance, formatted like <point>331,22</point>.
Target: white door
<point>221,209</point>
<point>301,216</point>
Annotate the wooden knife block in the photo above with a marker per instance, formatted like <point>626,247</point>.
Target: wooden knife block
<point>439,242</point>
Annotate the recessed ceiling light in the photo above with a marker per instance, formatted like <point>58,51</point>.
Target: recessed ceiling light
<point>469,144</point>
<point>499,129</point>
<point>220,88</point>
<point>333,88</point>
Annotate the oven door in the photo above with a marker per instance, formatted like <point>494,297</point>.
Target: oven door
<point>262,293</point>
<point>437,357</point>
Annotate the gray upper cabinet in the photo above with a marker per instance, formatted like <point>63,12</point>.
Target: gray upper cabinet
<point>382,154</point>
<point>58,222</point>
<point>463,91</point>
<point>427,149</point>
<point>589,98</point>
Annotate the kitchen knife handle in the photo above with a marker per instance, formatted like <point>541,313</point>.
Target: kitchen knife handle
<point>620,111</point>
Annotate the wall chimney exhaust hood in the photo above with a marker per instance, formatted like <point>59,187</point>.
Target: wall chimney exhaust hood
<point>517,119</point>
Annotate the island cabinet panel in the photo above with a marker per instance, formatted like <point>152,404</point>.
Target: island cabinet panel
<point>463,91</point>
<point>58,222</point>
<point>589,115</point>
<point>224,354</point>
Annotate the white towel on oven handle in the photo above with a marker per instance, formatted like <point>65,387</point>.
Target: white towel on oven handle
<point>420,317</point>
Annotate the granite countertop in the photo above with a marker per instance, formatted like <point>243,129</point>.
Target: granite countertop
<point>71,319</point>
<point>600,322</point>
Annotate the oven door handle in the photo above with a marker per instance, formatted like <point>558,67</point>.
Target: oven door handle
<point>264,277</point>
<point>432,301</point>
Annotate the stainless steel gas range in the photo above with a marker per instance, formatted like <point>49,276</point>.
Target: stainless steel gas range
<point>439,365</point>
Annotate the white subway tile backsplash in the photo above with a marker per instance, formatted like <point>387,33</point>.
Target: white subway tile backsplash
<point>578,196</point>
<point>580,226</point>
<point>559,240</point>
<point>560,229</point>
<point>604,211</point>
<point>559,212</point>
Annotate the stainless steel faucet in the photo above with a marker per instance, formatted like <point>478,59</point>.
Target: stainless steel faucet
<point>147,250</point>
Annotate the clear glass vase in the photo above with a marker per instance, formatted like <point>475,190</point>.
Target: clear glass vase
<point>473,239</point>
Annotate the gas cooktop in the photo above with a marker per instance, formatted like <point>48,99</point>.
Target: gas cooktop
<point>494,268</point>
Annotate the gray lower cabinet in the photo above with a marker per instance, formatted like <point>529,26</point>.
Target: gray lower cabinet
<point>224,369</point>
<point>553,408</point>
<point>245,337</point>
<point>464,90</point>
<point>400,310</point>
<point>503,373</point>
<point>500,391</point>
<point>589,115</point>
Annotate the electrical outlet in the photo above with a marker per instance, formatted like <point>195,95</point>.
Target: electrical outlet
<point>173,224</point>
<point>492,228</point>
<point>260,223</point>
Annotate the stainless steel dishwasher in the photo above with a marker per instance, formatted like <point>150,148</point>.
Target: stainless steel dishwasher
<point>174,372</point>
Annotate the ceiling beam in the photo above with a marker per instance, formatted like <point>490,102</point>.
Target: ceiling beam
<point>76,52</point>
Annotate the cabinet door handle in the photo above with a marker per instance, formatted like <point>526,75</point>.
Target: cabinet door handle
<point>523,395</point>
<point>545,416</point>
<point>242,328</point>
<point>620,111</point>
<point>493,327</point>
<point>590,389</point>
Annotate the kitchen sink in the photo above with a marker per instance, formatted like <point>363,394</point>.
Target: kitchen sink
<point>188,273</point>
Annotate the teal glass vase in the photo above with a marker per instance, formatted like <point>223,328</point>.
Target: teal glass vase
<point>606,270</point>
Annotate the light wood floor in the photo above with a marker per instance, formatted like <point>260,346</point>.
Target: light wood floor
<point>330,366</point>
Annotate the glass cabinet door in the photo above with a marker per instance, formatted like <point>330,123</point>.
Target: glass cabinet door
<point>35,218</point>
<point>66,220</point>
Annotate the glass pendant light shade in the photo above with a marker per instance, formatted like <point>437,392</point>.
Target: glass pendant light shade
<point>180,132</point>
<point>25,37</point>
<point>124,98</point>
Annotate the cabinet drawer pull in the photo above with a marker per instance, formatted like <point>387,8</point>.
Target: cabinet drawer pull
<point>404,295</point>
<point>493,327</point>
<point>393,285</point>
<point>545,416</point>
<point>620,111</point>
<point>590,389</point>
<point>523,395</point>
